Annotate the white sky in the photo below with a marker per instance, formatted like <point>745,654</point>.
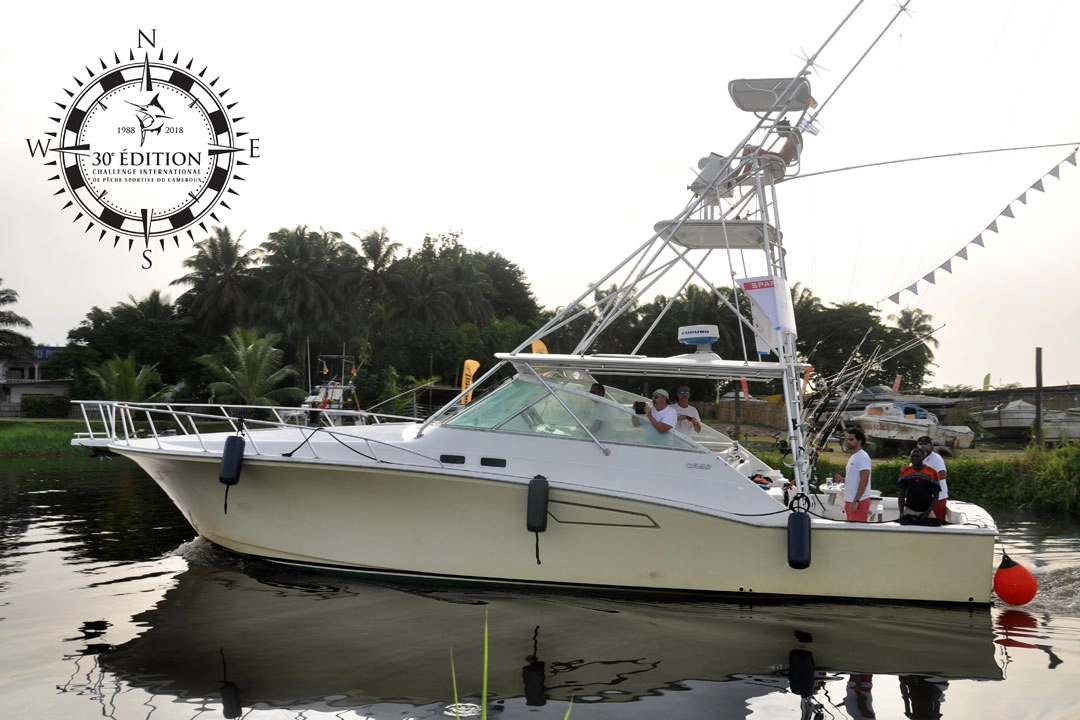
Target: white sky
<point>557,133</point>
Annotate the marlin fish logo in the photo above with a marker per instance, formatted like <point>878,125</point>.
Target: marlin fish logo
<point>151,116</point>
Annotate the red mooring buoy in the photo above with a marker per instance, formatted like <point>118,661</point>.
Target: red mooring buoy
<point>1014,583</point>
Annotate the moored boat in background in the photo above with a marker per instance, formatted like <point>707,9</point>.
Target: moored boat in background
<point>1016,420</point>
<point>903,424</point>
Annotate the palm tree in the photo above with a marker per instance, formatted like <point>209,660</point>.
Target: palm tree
<point>254,374</point>
<point>12,344</point>
<point>422,296</point>
<point>916,322</point>
<point>804,300</point>
<point>121,380</point>
<point>377,253</point>
<point>224,282</point>
<point>469,287</point>
<point>155,307</point>
<point>301,274</point>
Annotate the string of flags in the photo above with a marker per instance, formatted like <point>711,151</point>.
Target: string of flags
<point>930,277</point>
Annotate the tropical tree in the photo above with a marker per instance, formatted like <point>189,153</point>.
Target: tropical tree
<point>12,344</point>
<point>120,378</point>
<point>917,323</point>
<point>251,372</point>
<point>302,293</point>
<point>422,297</point>
<point>509,294</point>
<point>152,329</point>
<point>914,364</point>
<point>377,255</point>
<point>224,283</point>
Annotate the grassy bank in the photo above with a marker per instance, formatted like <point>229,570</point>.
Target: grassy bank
<point>39,438</point>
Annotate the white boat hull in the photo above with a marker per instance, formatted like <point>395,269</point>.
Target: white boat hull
<point>1017,420</point>
<point>390,519</point>
<point>954,436</point>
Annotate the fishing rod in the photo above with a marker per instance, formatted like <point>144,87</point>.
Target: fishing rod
<point>846,381</point>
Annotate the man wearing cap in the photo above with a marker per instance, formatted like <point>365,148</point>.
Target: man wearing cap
<point>661,416</point>
<point>938,463</point>
<point>917,488</point>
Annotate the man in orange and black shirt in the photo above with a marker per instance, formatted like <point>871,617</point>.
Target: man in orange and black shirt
<point>918,487</point>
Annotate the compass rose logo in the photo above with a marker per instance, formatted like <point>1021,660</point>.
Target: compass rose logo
<point>146,149</point>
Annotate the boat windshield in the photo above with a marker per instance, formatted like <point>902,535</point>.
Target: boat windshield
<point>525,405</point>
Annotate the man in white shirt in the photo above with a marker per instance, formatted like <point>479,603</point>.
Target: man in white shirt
<point>856,478</point>
<point>938,463</point>
<point>661,416</point>
<point>689,420</point>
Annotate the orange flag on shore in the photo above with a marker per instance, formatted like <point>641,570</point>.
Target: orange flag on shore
<point>471,366</point>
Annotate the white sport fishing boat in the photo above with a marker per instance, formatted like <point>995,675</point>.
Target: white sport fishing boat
<point>521,487</point>
<point>900,423</point>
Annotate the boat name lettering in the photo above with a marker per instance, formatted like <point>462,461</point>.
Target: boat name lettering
<point>698,466</point>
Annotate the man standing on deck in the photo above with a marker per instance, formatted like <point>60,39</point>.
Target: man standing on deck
<point>856,477</point>
<point>938,463</point>
<point>689,419</point>
<point>917,488</point>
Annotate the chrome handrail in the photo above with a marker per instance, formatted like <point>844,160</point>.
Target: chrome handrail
<point>118,419</point>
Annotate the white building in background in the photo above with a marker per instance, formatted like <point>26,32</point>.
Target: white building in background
<point>23,377</point>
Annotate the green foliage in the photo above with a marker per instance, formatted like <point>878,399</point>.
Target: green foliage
<point>119,379</point>
<point>425,312</point>
<point>152,330</point>
<point>39,438</point>
<point>224,284</point>
<point>1047,479</point>
<point>251,371</point>
<point>952,389</point>
<point>45,406</point>
<point>12,344</point>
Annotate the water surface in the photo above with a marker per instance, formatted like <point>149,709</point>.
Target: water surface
<point>109,607</point>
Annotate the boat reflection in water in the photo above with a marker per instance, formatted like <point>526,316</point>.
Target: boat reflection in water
<point>267,638</point>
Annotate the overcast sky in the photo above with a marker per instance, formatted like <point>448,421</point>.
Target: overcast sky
<point>558,133</point>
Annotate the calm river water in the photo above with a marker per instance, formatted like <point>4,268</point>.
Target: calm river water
<point>110,608</point>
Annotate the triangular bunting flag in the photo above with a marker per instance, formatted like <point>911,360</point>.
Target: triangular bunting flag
<point>1007,212</point>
